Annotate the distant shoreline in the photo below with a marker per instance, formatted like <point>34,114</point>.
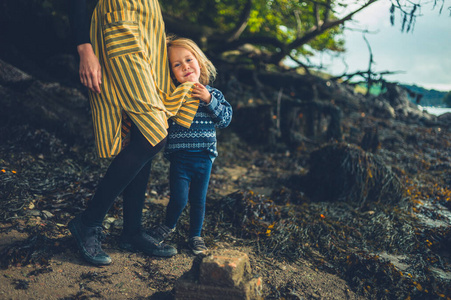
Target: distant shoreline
<point>434,110</point>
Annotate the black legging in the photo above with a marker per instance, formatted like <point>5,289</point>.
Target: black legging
<point>128,173</point>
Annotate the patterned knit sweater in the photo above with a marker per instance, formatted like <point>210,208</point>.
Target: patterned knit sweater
<point>202,133</point>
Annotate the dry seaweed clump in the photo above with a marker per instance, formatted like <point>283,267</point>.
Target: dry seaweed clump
<point>249,214</point>
<point>37,249</point>
<point>344,172</point>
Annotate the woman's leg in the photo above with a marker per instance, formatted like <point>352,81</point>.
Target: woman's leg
<point>134,197</point>
<point>122,170</point>
<point>129,170</point>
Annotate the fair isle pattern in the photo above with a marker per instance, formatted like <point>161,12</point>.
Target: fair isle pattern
<point>193,134</point>
<point>202,133</point>
<point>129,40</point>
<point>195,146</point>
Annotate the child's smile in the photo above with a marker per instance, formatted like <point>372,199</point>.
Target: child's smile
<point>184,65</point>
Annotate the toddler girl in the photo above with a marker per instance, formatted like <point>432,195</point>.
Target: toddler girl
<point>191,151</point>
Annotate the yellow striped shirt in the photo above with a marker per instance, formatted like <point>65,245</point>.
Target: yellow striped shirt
<point>129,39</point>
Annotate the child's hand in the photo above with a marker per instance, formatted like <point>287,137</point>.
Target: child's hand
<point>201,92</point>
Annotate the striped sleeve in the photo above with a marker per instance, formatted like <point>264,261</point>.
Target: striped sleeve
<point>182,112</point>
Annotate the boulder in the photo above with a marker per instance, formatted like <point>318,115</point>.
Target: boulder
<point>219,275</point>
<point>44,105</point>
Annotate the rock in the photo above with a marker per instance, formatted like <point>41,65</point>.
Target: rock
<point>383,109</point>
<point>397,95</point>
<point>397,98</point>
<point>108,222</point>
<point>445,118</point>
<point>225,269</point>
<point>47,215</point>
<point>34,212</point>
<point>13,77</point>
<point>220,275</point>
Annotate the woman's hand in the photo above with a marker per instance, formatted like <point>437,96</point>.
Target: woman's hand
<point>90,70</point>
<point>201,92</point>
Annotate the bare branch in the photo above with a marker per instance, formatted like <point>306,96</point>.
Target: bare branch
<point>242,23</point>
<point>315,31</point>
<point>306,68</point>
<point>369,80</point>
<point>363,74</point>
<point>310,34</point>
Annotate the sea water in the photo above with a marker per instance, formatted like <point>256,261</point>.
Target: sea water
<point>434,110</point>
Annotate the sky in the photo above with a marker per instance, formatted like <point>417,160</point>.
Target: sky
<point>422,55</point>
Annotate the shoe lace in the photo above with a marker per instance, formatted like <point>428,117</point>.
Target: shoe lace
<point>100,235</point>
<point>94,242</point>
<point>198,242</point>
<point>163,231</point>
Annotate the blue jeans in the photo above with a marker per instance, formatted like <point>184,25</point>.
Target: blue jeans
<point>189,175</point>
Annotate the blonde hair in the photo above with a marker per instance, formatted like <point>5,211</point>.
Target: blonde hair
<point>207,69</point>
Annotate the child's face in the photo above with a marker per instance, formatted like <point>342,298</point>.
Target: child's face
<point>184,65</point>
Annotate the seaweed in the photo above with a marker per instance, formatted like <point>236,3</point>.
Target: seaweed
<point>352,175</point>
<point>350,242</point>
<point>37,249</point>
<point>250,215</point>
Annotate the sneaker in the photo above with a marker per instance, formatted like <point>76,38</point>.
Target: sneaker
<point>197,245</point>
<point>88,240</point>
<point>161,232</point>
<point>142,242</point>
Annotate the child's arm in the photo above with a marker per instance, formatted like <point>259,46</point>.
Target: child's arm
<point>220,110</point>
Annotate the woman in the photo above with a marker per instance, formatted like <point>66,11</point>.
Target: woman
<point>126,70</point>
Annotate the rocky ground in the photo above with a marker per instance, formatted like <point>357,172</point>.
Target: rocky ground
<point>391,240</point>
<point>40,260</point>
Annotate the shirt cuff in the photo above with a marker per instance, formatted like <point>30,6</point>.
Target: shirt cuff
<point>213,103</point>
